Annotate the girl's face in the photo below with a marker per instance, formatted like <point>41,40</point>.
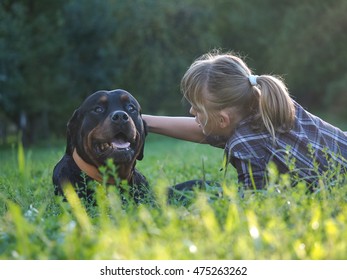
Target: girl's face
<point>208,125</point>
<point>220,123</point>
<point>199,117</point>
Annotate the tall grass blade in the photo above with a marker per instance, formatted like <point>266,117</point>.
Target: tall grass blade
<point>21,159</point>
<point>77,208</point>
<point>22,229</point>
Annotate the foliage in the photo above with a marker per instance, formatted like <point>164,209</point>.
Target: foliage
<point>55,53</point>
<point>280,223</point>
<point>315,69</point>
<point>31,42</point>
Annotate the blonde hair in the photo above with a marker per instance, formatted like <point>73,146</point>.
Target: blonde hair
<point>222,81</point>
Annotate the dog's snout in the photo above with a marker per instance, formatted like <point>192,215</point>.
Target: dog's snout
<point>119,117</point>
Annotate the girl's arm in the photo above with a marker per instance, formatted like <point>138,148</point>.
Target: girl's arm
<point>184,128</point>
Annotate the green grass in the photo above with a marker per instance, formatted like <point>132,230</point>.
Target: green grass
<point>280,223</point>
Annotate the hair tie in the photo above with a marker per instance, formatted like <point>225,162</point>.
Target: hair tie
<point>253,80</point>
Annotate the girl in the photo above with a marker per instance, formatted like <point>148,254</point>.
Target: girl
<point>255,120</point>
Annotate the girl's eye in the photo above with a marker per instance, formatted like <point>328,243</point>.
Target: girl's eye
<point>131,108</point>
<point>99,109</point>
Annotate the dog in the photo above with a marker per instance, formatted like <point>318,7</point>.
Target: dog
<point>106,127</point>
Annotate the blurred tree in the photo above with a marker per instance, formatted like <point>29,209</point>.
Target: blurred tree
<point>156,41</point>
<point>31,44</point>
<point>89,27</point>
<point>311,49</point>
<point>55,53</point>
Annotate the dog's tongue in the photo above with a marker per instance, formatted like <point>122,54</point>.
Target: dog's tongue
<point>120,143</point>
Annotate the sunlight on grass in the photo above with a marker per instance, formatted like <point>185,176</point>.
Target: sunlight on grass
<point>280,223</point>
<point>77,208</point>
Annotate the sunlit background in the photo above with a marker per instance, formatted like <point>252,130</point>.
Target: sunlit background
<point>55,53</point>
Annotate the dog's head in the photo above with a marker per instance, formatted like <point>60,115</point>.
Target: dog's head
<point>108,125</point>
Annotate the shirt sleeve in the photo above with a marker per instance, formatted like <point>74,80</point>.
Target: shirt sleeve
<point>251,170</point>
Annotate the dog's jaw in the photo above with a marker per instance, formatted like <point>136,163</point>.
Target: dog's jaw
<point>108,141</point>
<point>124,172</point>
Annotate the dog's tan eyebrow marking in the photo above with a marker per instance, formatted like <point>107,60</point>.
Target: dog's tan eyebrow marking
<point>124,97</point>
<point>103,99</point>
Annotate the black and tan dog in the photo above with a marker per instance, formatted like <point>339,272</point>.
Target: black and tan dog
<point>108,125</point>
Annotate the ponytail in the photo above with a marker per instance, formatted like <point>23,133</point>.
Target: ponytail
<point>225,81</point>
<point>276,108</point>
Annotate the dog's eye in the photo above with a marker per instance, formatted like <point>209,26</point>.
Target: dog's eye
<point>98,109</point>
<point>131,108</point>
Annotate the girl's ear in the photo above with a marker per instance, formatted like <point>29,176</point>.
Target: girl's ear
<point>224,119</point>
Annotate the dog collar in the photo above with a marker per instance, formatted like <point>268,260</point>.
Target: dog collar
<point>87,168</point>
<point>94,172</point>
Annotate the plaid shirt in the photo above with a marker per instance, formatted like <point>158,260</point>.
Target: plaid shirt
<point>307,150</point>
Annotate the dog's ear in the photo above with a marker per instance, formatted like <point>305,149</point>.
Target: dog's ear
<point>143,136</point>
<point>71,130</point>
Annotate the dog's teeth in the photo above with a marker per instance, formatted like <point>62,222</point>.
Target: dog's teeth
<point>104,146</point>
<point>117,144</point>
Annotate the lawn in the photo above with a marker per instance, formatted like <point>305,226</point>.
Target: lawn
<point>279,223</point>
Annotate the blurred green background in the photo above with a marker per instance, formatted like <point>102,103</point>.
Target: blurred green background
<point>54,53</point>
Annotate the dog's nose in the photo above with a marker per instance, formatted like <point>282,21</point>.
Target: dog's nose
<point>119,117</point>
